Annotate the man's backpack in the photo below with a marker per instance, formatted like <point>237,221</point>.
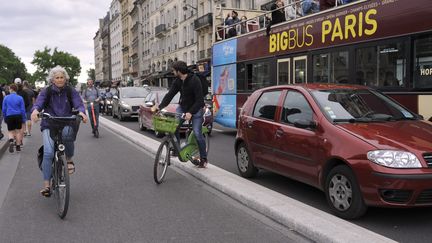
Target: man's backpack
<point>68,90</point>
<point>204,83</point>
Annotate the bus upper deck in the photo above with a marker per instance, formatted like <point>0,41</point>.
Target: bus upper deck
<point>384,44</point>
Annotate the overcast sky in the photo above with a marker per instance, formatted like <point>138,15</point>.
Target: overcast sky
<point>70,25</point>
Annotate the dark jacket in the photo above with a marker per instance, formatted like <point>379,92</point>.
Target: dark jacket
<point>326,4</point>
<point>278,16</point>
<point>191,97</point>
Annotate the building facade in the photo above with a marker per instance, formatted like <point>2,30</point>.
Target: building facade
<point>106,50</point>
<point>116,42</point>
<point>97,42</point>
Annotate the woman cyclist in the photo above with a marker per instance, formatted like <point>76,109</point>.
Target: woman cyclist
<point>56,102</point>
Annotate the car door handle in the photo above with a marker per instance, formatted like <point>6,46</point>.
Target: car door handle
<point>279,133</point>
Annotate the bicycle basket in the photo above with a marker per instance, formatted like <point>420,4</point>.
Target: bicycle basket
<point>165,124</point>
<point>57,127</point>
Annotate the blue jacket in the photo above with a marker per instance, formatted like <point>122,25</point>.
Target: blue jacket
<point>13,104</point>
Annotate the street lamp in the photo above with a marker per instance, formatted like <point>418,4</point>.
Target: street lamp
<point>185,7</point>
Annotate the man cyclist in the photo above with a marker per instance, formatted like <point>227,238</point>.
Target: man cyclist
<point>58,100</point>
<point>191,103</point>
<point>91,94</point>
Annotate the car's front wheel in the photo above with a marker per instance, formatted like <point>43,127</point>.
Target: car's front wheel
<point>244,162</point>
<point>343,193</point>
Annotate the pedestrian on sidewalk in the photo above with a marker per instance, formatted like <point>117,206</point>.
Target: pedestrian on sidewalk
<point>25,97</point>
<point>1,113</point>
<point>13,109</point>
<point>31,98</point>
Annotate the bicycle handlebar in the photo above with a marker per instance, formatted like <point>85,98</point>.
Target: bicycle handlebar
<point>164,112</point>
<point>46,115</point>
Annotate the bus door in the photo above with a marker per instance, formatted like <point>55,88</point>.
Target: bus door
<point>300,69</point>
<point>283,71</point>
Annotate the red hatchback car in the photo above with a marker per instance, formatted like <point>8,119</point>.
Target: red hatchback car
<point>145,116</point>
<point>357,145</point>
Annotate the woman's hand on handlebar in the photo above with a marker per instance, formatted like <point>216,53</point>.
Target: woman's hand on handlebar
<point>35,116</point>
<point>84,117</point>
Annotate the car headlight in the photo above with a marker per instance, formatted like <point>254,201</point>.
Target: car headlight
<point>124,104</point>
<point>394,159</point>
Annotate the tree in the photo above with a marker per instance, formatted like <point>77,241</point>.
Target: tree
<point>91,73</point>
<point>47,59</point>
<point>11,66</point>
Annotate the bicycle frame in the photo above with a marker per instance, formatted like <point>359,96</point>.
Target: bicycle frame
<point>187,151</point>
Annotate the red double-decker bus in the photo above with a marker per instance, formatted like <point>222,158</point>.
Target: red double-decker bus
<point>384,44</point>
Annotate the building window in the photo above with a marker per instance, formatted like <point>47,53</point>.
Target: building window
<point>422,70</point>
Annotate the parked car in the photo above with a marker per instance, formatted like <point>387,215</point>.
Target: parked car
<point>357,145</point>
<point>145,118</point>
<point>127,101</point>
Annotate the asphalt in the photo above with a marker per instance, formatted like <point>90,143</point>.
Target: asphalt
<point>310,222</point>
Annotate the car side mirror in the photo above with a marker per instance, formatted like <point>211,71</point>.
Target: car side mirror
<point>301,123</point>
<point>420,117</point>
<point>149,103</point>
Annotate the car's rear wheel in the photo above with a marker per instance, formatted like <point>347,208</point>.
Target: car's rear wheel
<point>244,162</point>
<point>343,193</point>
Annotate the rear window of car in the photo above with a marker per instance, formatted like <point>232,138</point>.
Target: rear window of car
<point>265,106</point>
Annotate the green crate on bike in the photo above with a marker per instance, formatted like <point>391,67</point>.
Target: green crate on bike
<point>165,124</point>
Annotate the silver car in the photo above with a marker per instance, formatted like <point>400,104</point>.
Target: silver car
<point>127,101</point>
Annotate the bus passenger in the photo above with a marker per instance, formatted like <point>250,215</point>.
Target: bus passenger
<point>232,20</point>
<point>310,7</point>
<point>278,15</point>
<point>326,4</point>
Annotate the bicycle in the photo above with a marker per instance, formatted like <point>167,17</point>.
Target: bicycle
<point>166,122</point>
<point>95,125</point>
<point>60,174</point>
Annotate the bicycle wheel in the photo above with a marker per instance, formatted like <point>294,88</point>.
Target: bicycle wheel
<point>61,187</point>
<point>162,161</point>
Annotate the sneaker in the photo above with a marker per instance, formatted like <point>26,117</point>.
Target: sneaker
<point>11,145</point>
<point>203,163</point>
<point>196,162</point>
<point>18,148</point>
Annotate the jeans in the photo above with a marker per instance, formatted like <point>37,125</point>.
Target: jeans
<point>197,121</point>
<point>309,7</point>
<point>68,141</point>
<point>90,116</point>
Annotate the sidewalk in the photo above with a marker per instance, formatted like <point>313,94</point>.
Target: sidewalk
<point>310,222</point>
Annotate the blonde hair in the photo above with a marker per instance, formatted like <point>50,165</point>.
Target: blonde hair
<point>55,70</point>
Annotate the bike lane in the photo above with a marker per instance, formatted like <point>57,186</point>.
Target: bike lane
<point>114,199</point>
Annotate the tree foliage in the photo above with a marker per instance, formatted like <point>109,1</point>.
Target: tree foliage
<point>91,73</point>
<point>47,59</point>
<point>11,66</point>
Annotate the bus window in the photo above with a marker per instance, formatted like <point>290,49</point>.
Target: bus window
<point>283,71</point>
<point>423,62</point>
<point>331,67</point>
<point>258,76</point>
<point>381,66</point>
<point>300,70</point>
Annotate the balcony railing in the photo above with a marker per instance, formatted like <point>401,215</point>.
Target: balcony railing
<point>209,52</point>
<point>203,21</point>
<point>160,30</point>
